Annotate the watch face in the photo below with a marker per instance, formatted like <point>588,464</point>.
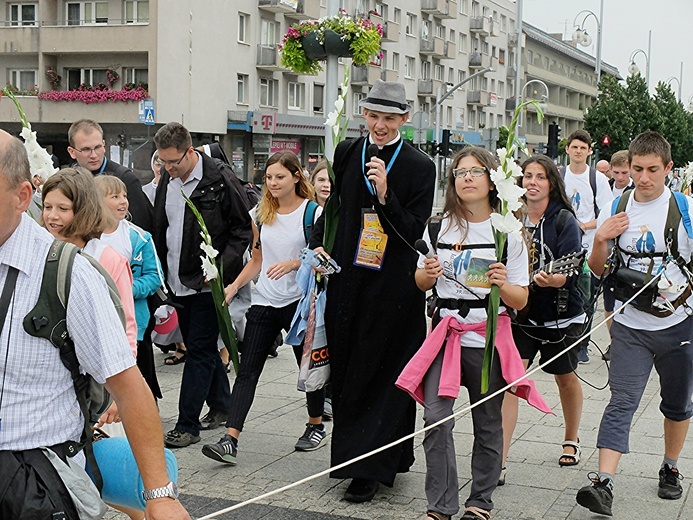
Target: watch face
<point>174,489</point>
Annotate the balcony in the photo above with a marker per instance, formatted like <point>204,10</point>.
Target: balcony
<point>479,61</point>
<point>365,74</point>
<point>391,31</point>
<point>268,58</point>
<point>495,27</point>
<point>433,47</point>
<point>429,87</point>
<point>512,39</point>
<point>440,8</point>
<point>510,104</point>
<point>477,97</point>
<point>480,25</point>
<point>279,6</point>
<point>44,111</point>
<point>306,10</point>
<point>510,72</point>
<point>450,50</point>
<point>389,75</point>
<point>19,40</point>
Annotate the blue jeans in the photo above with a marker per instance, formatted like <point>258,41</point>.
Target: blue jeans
<point>204,374</point>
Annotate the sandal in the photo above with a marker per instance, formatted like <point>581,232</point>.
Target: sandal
<point>570,459</point>
<point>475,513</point>
<point>501,479</point>
<point>432,515</point>
<point>174,359</point>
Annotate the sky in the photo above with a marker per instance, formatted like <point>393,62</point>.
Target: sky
<point>625,29</point>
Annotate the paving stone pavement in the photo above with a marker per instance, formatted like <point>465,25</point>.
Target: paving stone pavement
<point>537,488</point>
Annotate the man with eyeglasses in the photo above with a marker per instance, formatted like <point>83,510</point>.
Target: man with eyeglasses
<point>88,148</point>
<point>218,195</point>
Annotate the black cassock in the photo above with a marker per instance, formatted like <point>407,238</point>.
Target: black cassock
<point>375,320</point>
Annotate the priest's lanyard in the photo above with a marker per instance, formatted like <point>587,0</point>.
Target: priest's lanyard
<point>387,168</point>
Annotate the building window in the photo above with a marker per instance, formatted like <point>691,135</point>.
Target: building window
<point>439,72</point>
<point>451,121</point>
<point>471,119</point>
<point>295,96</point>
<point>243,27</point>
<point>137,11</point>
<point>318,98</point>
<point>501,56</point>
<point>425,69</point>
<point>410,29</point>
<point>475,9</point>
<point>425,29</point>
<point>241,89</point>
<point>23,79</point>
<point>425,107</point>
<point>461,76</point>
<point>137,77</point>
<point>501,89</point>
<point>80,13</point>
<point>23,14</point>
<point>462,42</point>
<point>484,83</point>
<point>409,65</point>
<point>395,61</point>
<point>268,92</point>
<point>464,6</point>
<point>398,16</point>
<point>268,32</point>
<point>357,98</point>
<point>440,31</point>
<point>88,77</point>
<point>484,47</point>
<point>451,75</point>
<point>504,23</point>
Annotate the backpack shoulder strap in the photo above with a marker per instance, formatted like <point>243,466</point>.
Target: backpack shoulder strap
<point>562,219</point>
<point>682,204</point>
<point>434,230</point>
<point>561,172</point>
<point>309,219</point>
<point>593,185</point>
<point>619,204</point>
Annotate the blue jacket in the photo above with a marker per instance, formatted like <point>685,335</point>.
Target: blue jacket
<point>147,275</point>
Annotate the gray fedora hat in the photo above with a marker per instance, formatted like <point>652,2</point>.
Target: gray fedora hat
<point>386,96</point>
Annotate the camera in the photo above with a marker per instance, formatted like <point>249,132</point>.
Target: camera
<point>319,261</point>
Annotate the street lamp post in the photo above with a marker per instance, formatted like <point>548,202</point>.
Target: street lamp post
<point>690,103</point>
<point>674,78</point>
<point>544,97</point>
<point>440,97</point>
<point>583,38</point>
<point>633,68</point>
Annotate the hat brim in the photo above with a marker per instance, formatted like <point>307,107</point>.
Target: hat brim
<point>384,108</point>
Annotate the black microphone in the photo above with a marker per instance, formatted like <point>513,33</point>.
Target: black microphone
<point>373,151</point>
<point>421,246</point>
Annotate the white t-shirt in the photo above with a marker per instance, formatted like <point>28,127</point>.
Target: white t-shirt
<point>120,240</point>
<point>645,232</point>
<point>469,267</point>
<point>617,192</point>
<point>281,240</point>
<point>579,191</point>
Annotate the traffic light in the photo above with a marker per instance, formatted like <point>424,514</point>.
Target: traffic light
<point>606,140</point>
<point>554,134</point>
<point>445,143</point>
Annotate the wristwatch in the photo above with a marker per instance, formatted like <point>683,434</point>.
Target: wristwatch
<point>170,490</point>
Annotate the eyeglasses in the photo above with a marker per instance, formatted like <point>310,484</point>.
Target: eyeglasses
<point>161,162</point>
<point>462,173</point>
<point>88,151</point>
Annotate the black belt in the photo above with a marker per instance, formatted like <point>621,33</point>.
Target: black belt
<point>462,306</point>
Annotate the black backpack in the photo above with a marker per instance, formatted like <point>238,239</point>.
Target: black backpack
<point>48,320</point>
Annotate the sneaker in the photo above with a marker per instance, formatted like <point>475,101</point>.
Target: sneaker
<point>213,420</point>
<point>583,356</point>
<point>223,451</point>
<point>598,497</point>
<point>277,343</point>
<point>179,439</point>
<point>327,410</point>
<point>669,486</point>
<point>312,439</point>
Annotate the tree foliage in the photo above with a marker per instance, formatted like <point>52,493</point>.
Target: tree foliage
<point>622,111</point>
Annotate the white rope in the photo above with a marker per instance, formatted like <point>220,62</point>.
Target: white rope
<point>430,426</point>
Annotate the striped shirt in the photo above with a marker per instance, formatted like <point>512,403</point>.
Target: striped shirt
<point>39,406</point>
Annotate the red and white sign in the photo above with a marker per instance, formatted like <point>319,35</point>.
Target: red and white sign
<point>279,145</point>
<point>264,122</point>
<point>492,99</point>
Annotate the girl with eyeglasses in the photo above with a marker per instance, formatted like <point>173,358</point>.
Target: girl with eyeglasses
<point>461,271</point>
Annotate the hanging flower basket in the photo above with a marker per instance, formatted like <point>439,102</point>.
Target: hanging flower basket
<point>308,42</point>
<point>312,47</point>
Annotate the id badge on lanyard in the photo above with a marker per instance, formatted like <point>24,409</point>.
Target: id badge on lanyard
<point>372,238</point>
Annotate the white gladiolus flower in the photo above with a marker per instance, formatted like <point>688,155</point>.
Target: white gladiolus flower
<point>509,191</point>
<point>331,119</point>
<point>209,250</point>
<point>339,104</point>
<point>507,224</point>
<point>209,269</point>
<point>514,168</point>
<point>497,176</point>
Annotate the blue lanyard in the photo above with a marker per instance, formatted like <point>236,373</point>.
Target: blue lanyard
<point>387,168</point>
<point>103,166</point>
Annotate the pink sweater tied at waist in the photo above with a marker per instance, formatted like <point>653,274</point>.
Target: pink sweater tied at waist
<point>411,378</point>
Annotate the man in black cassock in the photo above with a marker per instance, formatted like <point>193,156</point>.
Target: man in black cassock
<point>375,314</point>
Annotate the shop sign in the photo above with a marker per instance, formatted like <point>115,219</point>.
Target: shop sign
<point>279,145</point>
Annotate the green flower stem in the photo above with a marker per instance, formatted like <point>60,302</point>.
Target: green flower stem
<point>22,115</point>
<point>226,330</point>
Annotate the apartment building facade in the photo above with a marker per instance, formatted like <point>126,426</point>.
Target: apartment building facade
<point>215,67</point>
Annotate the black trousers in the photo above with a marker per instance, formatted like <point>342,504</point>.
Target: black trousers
<point>263,325</point>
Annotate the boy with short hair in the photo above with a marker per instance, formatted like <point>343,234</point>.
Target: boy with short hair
<point>589,193</point>
<point>642,338</point>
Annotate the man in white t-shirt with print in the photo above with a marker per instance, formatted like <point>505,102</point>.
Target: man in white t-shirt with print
<point>620,171</point>
<point>640,339</point>
<point>589,193</point>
